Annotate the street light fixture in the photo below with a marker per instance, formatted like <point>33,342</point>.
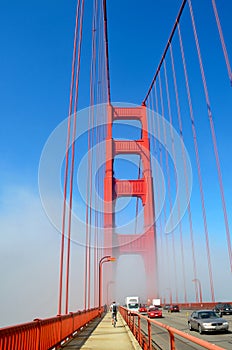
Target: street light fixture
<point>196,280</point>
<point>103,260</point>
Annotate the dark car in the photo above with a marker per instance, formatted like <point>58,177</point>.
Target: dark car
<point>223,309</point>
<point>173,308</point>
<point>207,321</point>
<point>166,306</point>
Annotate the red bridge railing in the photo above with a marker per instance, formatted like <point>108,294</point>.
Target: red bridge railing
<point>45,334</point>
<point>145,338</point>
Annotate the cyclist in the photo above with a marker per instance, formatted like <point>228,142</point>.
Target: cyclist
<point>114,309</point>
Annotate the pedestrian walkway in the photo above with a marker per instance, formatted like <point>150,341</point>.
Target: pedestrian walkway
<point>103,336</point>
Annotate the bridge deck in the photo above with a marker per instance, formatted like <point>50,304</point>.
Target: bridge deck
<point>101,336</point>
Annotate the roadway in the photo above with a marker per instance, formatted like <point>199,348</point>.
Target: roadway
<point>178,320</point>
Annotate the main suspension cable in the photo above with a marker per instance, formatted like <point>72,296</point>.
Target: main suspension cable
<point>165,50</point>
<point>106,52</point>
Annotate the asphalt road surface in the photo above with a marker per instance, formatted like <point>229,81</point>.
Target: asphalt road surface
<point>178,320</point>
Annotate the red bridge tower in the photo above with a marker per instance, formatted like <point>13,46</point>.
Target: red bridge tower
<point>121,244</point>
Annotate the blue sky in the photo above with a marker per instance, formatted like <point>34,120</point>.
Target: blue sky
<point>36,53</point>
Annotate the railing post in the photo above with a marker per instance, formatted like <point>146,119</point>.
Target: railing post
<point>72,316</point>
<point>172,340</point>
<point>139,329</point>
<point>38,332</point>
<point>126,316</point>
<point>129,320</point>
<point>149,335</point>
<point>60,326</point>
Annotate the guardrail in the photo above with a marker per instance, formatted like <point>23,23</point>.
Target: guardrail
<point>145,340</point>
<point>196,306</point>
<point>47,333</point>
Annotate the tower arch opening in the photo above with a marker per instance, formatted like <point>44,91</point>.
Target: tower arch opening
<point>129,129</point>
<point>130,278</point>
<point>128,166</point>
<point>126,221</point>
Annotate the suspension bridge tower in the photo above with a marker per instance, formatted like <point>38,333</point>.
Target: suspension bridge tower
<point>143,244</point>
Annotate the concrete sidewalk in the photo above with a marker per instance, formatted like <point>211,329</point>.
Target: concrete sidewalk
<point>105,337</point>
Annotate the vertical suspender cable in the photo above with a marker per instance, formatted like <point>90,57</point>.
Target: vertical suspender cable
<point>174,159</point>
<point>67,161</point>
<point>137,198</point>
<point>96,208</point>
<point>100,100</point>
<point>198,165</point>
<point>222,41</point>
<point>157,152</point>
<point>168,178</point>
<point>73,156</point>
<point>185,171</point>
<point>154,172</point>
<point>161,164</point>
<point>90,168</point>
<point>213,136</point>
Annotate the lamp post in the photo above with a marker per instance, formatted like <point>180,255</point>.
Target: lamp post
<point>103,260</point>
<point>196,280</point>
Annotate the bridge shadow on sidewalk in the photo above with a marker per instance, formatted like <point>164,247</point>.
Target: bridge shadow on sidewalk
<point>82,335</point>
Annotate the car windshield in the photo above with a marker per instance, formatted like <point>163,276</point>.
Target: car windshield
<point>154,309</point>
<point>210,314</point>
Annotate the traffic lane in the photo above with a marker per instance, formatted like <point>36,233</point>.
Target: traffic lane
<point>180,321</point>
<point>160,336</point>
<point>161,339</point>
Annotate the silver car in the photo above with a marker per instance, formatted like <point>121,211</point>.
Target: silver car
<point>207,321</point>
